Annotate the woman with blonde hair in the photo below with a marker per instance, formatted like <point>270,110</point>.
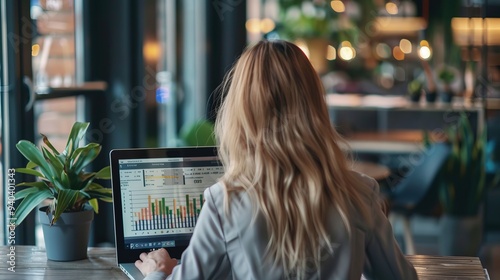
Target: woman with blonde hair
<point>288,205</point>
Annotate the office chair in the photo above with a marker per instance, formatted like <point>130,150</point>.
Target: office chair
<point>414,193</point>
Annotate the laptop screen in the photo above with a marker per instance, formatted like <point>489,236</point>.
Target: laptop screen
<point>158,196</point>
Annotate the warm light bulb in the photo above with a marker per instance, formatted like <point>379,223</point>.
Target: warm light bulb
<point>35,49</point>
<point>425,52</point>
<point>267,25</point>
<point>405,46</point>
<point>253,25</point>
<point>391,8</point>
<point>338,6</point>
<point>345,44</point>
<point>151,51</point>
<point>347,52</point>
<point>398,53</point>
<point>331,53</point>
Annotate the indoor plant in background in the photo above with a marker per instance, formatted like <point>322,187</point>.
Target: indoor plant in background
<point>315,24</point>
<point>446,75</point>
<point>71,190</point>
<point>309,23</point>
<point>462,186</point>
<point>415,88</point>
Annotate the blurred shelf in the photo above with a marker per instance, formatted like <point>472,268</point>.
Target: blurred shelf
<point>393,124</point>
<point>395,102</point>
<point>393,141</point>
<point>383,147</point>
<point>492,103</point>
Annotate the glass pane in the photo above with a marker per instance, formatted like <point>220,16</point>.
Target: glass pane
<point>2,179</point>
<point>54,66</point>
<point>54,49</point>
<point>181,77</point>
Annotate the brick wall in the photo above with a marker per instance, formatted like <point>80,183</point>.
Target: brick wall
<point>54,118</point>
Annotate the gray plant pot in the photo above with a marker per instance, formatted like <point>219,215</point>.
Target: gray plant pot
<point>460,236</point>
<point>68,238</point>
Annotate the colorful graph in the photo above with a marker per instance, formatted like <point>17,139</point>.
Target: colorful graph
<point>159,215</point>
<point>159,201</point>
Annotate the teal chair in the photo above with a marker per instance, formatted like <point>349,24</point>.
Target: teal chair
<point>200,133</point>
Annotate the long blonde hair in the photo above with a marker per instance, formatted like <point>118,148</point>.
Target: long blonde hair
<point>277,144</point>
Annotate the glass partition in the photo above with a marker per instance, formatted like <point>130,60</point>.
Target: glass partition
<point>54,66</point>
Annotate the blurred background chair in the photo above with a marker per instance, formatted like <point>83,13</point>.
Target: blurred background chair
<point>491,225</point>
<point>416,192</point>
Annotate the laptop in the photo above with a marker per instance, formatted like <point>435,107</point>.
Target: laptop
<point>157,197</point>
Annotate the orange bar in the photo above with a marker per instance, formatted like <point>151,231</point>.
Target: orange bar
<point>175,207</point>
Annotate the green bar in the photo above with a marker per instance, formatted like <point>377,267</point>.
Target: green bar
<point>187,205</point>
<point>170,218</point>
<point>201,200</point>
<point>163,206</point>
<point>194,206</point>
<point>152,209</point>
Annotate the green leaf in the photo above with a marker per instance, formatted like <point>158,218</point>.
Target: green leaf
<point>86,195</point>
<point>30,172</point>
<point>31,165</point>
<point>65,199</point>
<point>77,132</point>
<point>96,187</point>
<point>48,144</point>
<point>68,152</point>
<point>65,179</point>
<point>58,185</point>
<point>107,197</point>
<point>34,187</point>
<point>29,203</point>
<point>30,152</point>
<point>104,173</point>
<point>93,202</point>
<point>98,191</point>
<point>85,156</point>
<point>86,176</point>
<point>53,160</point>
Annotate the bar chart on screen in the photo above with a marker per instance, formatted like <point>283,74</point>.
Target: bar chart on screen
<point>168,212</point>
<point>164,200</point>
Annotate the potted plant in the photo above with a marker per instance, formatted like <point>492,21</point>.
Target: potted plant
<point>306,19</point>
<point>308,23</point>
<point>446,76</point>
<point>415,88</point>
<point>71,190</point>
<point>461,189</point>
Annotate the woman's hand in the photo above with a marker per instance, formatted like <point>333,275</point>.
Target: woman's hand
<point>158,260</point>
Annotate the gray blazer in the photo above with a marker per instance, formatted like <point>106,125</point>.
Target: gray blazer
<point>233,247</point>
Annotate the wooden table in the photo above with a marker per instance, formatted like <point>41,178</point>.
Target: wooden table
<point>31,263</point>
<point>376,171</point>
